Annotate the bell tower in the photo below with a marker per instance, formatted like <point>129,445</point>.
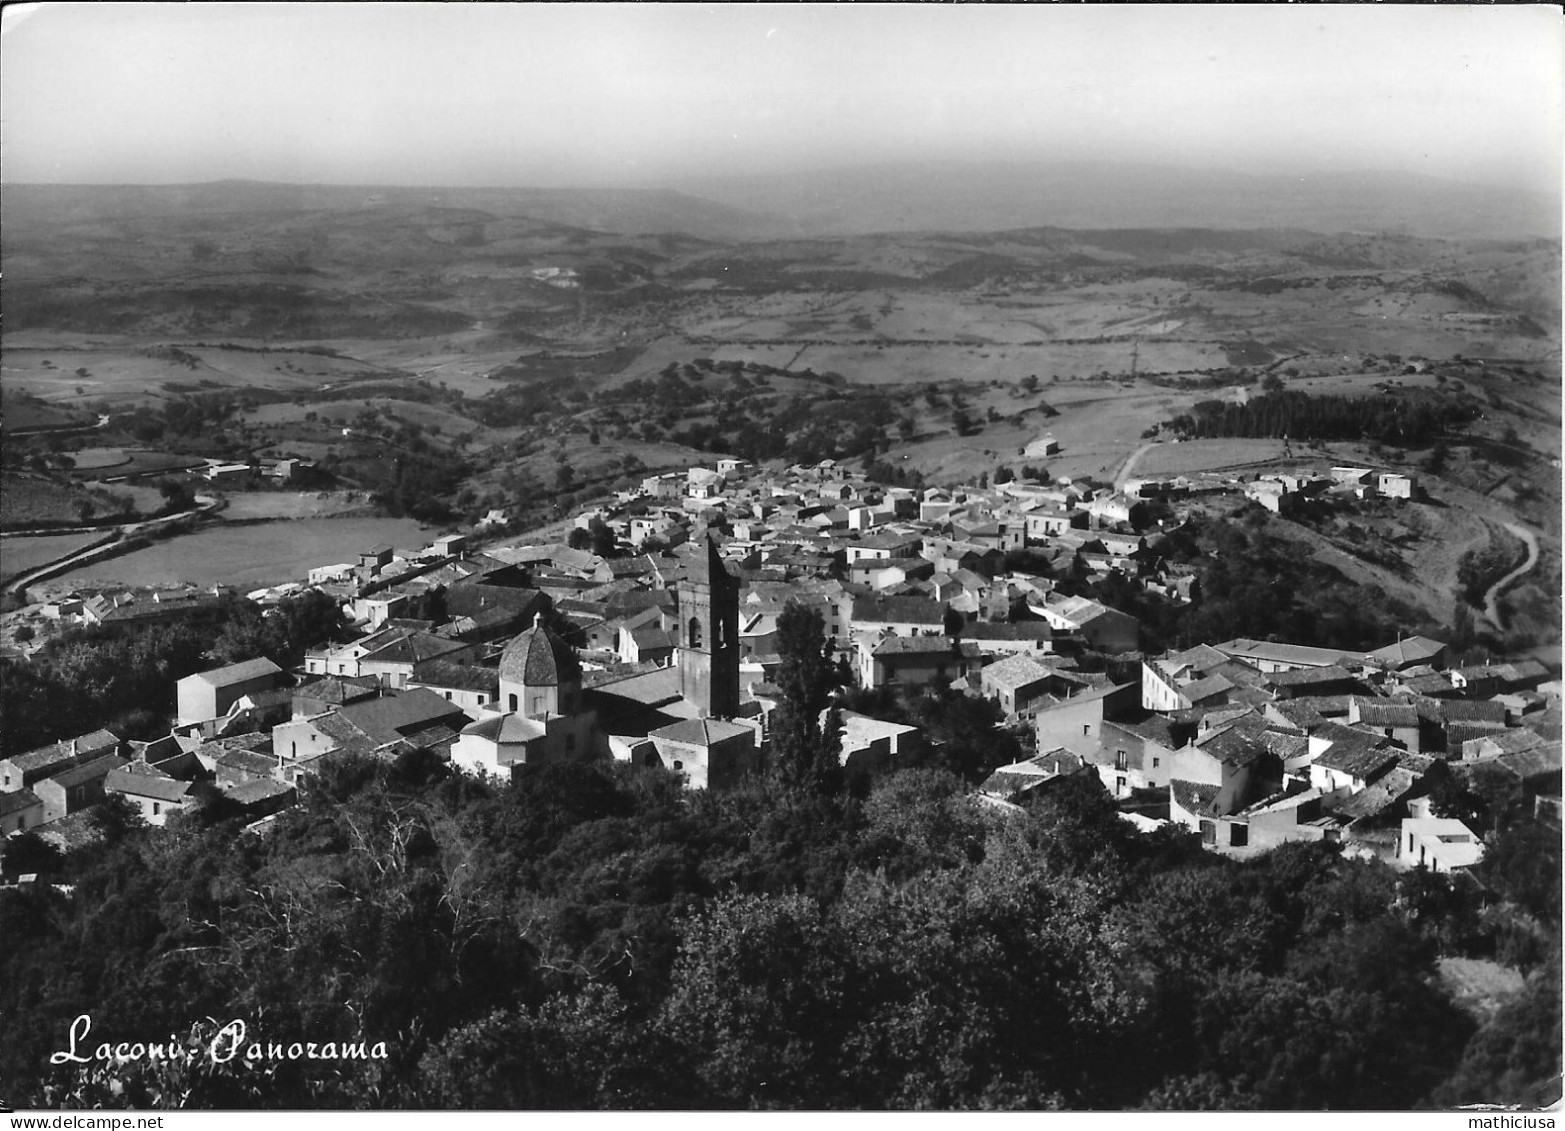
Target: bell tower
<point>708,636</point>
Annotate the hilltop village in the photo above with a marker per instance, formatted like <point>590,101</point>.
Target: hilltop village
<point>651,636</point>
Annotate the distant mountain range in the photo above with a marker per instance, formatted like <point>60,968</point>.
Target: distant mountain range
<point>968,197</point>
<point>924,197</point>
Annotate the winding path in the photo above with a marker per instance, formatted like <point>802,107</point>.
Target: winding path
<point>1491,605</point>
<point>1130,463</point>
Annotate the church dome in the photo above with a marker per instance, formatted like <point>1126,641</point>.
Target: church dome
<point>539,658</point>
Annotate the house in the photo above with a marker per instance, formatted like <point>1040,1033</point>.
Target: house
<point>647,643</point>
<point>23,770</point>
<point>1412,652</point>
<point>20,810</point>
<point>871,744</point>
<point>154,794</point>
<point>1397,721</point>
<point>317,696</point>
<point>1104,629</point>
<point>1441,844</point>
<point>1269,656</point>
<point>915,660</point>
<point>711,753</point>
<point>1083,714</point>
<point>261,797</point>
<point>1212,781</point>
<point>397,661</point>
<point>1135,754</point>
<point>899,616</point>
<point>1350,766</point>
<point>75,788</point>
<point>367,726</point>
<point>209,694</point>
<point>1022,638</point>
<point>468,686</point>
<point>1047,521</point>
<point>1019,683</point>
<point>1027,777</point>
<point>1395,485</point>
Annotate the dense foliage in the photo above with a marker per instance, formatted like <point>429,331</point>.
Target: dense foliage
<point>1407,421</point>
<point>1255,582</point>
<point>594,936</point>
<point>122,677</point>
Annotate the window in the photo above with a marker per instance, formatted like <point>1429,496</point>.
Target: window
<point>538,706</point>
<point>693,633</point>
<point>482,698</point>
<point>1119,787</point>
<point>513,703</point>
<point>1121,760</point>
<point>156,809</point>
<point>448,697</point>
<point>1155,762</point>
<point>1238,835</point>
<point>1086,728</point>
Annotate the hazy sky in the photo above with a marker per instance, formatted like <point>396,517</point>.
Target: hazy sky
<point>541,94</point>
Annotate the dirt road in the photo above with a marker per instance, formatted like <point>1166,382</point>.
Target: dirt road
<point>1130,463</point>
<point>1491,604</point>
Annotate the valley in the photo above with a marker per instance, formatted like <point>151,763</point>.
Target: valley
<point>446,354</point>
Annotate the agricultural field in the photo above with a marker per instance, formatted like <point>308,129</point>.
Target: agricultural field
<point>250,556</point>
<point>251,505</point>
<point>20,555</point>
<point>478,358</point>
<point>27,500</point>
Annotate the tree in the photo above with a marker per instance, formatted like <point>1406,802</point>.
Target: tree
<point>805,754</point>
<point>1272,383</point>
<point>952,622</point>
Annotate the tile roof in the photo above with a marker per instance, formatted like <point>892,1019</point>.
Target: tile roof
<point>1385,714</point>
<point>253,792</point>
<point>239,673</point>
<point>507,729</point>
<point>87,771</point>
<point>1539,760</point>
<point>926,646</point>
<point>1304,677</point>
<point>1235,745</point>
<point>1197,798</point>
<point>248,762</point>
<point>17,800</point>
<point>1014,672</point>
<point>1358,761</point>
<point>125,780</point>
<point>701,732</point>
<point>1274,652</point>
<point>466,677</point>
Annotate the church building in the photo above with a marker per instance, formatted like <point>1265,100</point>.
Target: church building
<point>687,716</point>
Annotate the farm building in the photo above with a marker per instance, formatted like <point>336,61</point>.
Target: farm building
<point>1045,445</point>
